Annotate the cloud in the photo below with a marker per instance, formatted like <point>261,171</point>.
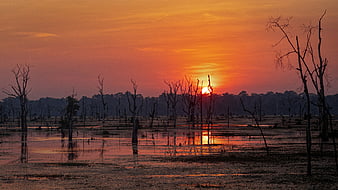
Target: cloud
<point>36,34</point>
<point>205,68</point>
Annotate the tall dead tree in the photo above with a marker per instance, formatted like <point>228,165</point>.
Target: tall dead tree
<point>152,113</point>
<point>71,110</point>
<point>295,49</point>
<point>134,108</point>
<point>309,68</point>
<point>201,101</point>
<point>101,92</point>
<point>84,110</point>
<point>172,96</point>
<point>189,92</point>
<point>210,106</point>
<point>320,65</point>
<point>20,91</point>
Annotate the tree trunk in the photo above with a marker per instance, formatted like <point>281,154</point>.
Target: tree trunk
<point>135,129</point>
<point>308,134</point>
<point>308,104</point>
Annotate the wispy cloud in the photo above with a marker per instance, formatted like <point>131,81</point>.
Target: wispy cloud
<point>36,34</point>
<point>204,67</point>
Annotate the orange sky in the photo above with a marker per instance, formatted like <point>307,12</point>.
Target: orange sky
<point>69,43</point>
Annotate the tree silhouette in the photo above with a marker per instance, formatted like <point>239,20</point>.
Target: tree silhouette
<point>308,69</point>
<point>134,108</point>
<point>101,93</point>
<point>152,113</point>
<point>210,106</point>
<point>20,90</point>
<point>189,98</point>
<point>71,110</point>
<point>172,96</point>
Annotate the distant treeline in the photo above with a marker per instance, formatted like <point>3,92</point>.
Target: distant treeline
<point>287,103</point>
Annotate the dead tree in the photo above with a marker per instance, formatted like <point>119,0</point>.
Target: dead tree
<point>84,110</point>
<point>201,105</point>
<point>152,113</point>
<point>255,117</point>
<point>210,106</point>
<point>134,108</point>
<point>172,96</point>
<point>71,110</point>
<point>119,109</point>
<point>308,69</point>
<point>318,82</point>
<point>189,92</point>
<point>20,91</point>
<point>101,92</point>
<point>167,107</point>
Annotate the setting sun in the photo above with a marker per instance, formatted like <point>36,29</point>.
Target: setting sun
<point>206,90</point>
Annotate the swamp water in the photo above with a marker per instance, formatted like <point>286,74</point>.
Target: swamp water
<point>98,145</point>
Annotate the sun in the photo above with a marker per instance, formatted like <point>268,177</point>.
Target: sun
<point>206,90</point>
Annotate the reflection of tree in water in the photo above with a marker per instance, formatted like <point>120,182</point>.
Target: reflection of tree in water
<point>135,154</point>
<point>172,143</point>
<point>175,143</point>
<point>190,138</point>
<point>102,150</point>
<point>24,148</point>
<point>70,111</point>
<point>72,152</point>
<point>135,149</point>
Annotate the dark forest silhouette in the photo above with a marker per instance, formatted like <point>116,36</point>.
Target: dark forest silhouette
<point>288,103</point>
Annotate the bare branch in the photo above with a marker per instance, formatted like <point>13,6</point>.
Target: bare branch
<point>308,39</point>
<point>19,90</point>
<point>100,84</point>
<point>276,23</point>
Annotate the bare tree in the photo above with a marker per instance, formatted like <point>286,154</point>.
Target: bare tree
<point>189,92</point>
<point>172,96</point>
<point>152,113</point>
<point>134,108</point>
<point>84,110</point>
<point>295,49</point>
<point>20,90</point>
<point>71,110</point>
<point>201,105</point>
<point>210,106</point>
<point>310,68</point>
<point>101,92</point>
<point>318,82</point>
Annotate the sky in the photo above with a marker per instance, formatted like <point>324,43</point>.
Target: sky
<point>69,43</point>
